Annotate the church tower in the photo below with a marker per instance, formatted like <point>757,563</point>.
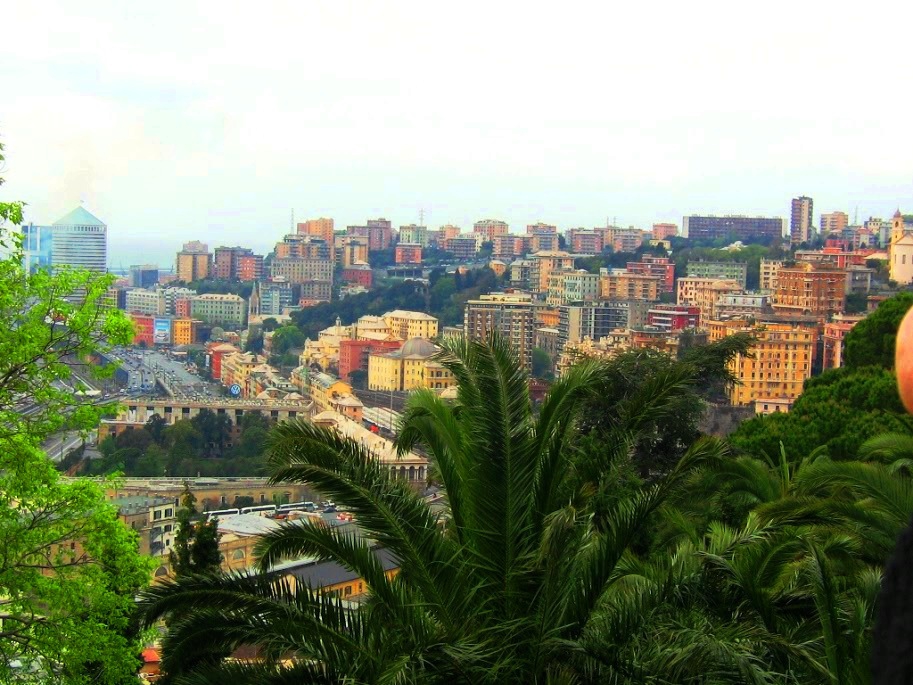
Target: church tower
<point>897,229</point>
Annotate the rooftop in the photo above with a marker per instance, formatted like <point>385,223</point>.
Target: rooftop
<point>79,217</point>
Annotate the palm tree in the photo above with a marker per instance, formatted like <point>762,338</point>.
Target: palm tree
<point>507,592</point>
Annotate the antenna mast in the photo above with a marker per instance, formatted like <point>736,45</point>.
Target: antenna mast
<point>293,220</point>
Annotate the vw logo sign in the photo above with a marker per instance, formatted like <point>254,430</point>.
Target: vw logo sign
<point>235,390</point>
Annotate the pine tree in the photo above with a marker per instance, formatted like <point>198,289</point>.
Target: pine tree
<point>196,543</point>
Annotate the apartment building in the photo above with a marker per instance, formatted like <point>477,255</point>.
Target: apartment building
<point>410,367</point>
<point>800,219</point>
<point>596,320</point>
<point>406,325</point>
<point>620,284</point>
<point>489,229</point>
<point>726,271</point>
<point>193,262</point>
<point>219,309</point>
<point>661,267</point>
<point>318,228</point>
<point>810,290</point>
<point>769,270</point>
<point>584,241</point>
<point>672,317</point>
<point>510,314</point>
<point>779,364</point>
<point>227,262</point>
<point>462,246</point>
<point>543,264</point>
<point>834,222</point>
<point>414,234</point>
<point>408,253</point>
<point>704,293</point>
<point>664,231</point>
<point>572,286</point>
<point>747,229</point>
<point>833,337</point>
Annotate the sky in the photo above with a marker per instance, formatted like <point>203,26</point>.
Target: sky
<point>176,121</point>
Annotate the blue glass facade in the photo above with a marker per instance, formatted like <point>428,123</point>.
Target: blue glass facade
<point>38,242</point>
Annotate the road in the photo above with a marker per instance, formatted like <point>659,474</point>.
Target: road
<point>57,446</point>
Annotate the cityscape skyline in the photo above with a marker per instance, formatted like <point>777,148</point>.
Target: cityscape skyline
<point>167,129</point>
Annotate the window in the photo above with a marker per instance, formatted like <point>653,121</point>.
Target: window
<point>156,515</point>
<point>169,513</point>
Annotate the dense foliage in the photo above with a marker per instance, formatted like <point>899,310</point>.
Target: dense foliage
<point>871,342</point>
<point>842,408</point>
<point>196,543</point>
<point>556,563</point>
<point>202,446</point>
<point>68,567</point>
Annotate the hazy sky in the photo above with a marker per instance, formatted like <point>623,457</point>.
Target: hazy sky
<point>191,120</point>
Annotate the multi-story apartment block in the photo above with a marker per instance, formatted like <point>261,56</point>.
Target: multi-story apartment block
<point>727,271</point>
<point>510,314</point>
<point>154,520</point>
<point>778,365</point>
<point>318,228</point>
<point>218,309</point>
<point>194,262</point>
<point>303,270</point>
<point>596,320</point>
<point>543,242</point>
<point>541,229</point>
<point>353,354</point>
<point>744,228</point>
<point>413,235</point>
<point>664,231</point>
<point>521,274</point>
<point>543,264</point>
<point>406,325</point>
<point>572,286</point>
<point>673,317</point>
<point>750,305</point>
<point>621,239</point>
<point>271,298</point>
<point>662,267</point>
<point>810,290</point>
<point>250,268</point>
<point>489,229</point>
<point>140,301</point>
<point>462,246</point>
<point>408,253</point>
<point>584,241</point>
<point>351,250</point>
<point>380,234</point>
<point>304,246</point>
<point>800,220</point>
<point>834,222</point>
<point>510,246</point>
<point>184,331</point>
<point>880,230</point>
<point>769,270</point>
<point>79,240</point>
<point>705,293</point>
<point>226,262</point>
<point>620,284</point>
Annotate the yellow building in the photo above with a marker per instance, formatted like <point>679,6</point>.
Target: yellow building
<point>323,389</point>
<point>184,331</point>
<point>237,368</point>
<point>900,254</point>
<point>619,284</point>
<point>408,368</point>
<point>406,325</point>
<point>779,364</point>
<point>193,262</point>
<point>544,264</point>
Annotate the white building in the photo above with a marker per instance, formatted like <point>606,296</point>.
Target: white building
<point>79,240</point>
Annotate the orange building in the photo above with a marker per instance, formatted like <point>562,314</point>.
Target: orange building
<point>664,231</point>
<point>408,253</point>
<point>318,228</point>
<point>834,336</point>
<point>619,284</point>
<point>184,331</point>
<point>250,268</point>
<point>810,290</point>
<point>544,264</point>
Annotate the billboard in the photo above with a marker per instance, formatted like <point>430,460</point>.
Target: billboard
<point>161,332</point>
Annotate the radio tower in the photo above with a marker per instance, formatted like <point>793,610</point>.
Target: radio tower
<point>293,220</point>
<point>421,217</point>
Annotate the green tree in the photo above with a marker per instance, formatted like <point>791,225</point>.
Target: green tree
<point>196,542</point>
<point>286,338</point>
<point>871,341</point>
<point>69,569</point>
<point>506,594</point>
<point>542,364</point>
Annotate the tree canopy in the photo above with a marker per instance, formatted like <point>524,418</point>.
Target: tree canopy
<point>69,568</point>
<point>871,341</point>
